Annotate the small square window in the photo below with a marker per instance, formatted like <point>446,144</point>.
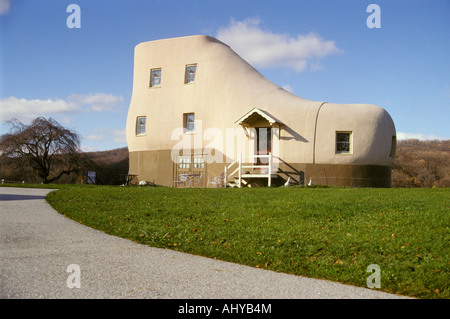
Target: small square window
<point>189,122</point>
<point>190,73</point>
<point>140,125</point>
<point>199,162</point>
<point>155,78</point>
<point>184,162</point>
<point>344,142</point>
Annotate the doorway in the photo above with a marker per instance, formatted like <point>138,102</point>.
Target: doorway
<point>194,167</point>
<point>263,144</point>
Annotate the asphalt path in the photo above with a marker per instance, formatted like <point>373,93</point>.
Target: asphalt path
<point>46,255</point>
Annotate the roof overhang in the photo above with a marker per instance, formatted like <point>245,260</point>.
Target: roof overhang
<point>256,113</point>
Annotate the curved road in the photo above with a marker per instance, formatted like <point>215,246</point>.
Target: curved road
<point>38,245</point>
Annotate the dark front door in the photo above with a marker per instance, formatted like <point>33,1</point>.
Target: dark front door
<point>263,143</point>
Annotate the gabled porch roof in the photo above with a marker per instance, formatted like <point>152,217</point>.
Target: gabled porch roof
<point>256,113</point>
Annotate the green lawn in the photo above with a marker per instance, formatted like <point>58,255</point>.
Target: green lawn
<point>328,233</point>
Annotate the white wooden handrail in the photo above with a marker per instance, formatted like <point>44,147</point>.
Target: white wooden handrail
<point>238,170</point>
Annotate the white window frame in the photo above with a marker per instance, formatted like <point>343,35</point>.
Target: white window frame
<point>185,122</point>
<point>186,76</point>
<point>152,84</point>
<point>184,162</point>
<point>199,162</point>
<point>140,125</point>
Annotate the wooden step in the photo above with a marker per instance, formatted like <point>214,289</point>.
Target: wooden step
<point>257,176</point>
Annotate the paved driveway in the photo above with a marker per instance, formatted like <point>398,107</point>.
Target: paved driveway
<point>38,245</point>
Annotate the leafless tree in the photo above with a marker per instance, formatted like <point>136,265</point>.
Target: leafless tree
<point>422,164</point>
<point>49,148</point>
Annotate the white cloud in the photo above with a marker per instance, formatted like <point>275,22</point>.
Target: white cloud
<point>105,134</point>
<point>89,148</point>
<point>316,66</point>
<point>288,88</point>
<point>5,5</point>
<point>265,49</point>
<point>119,136</point>
<point>26,110</point>
<point>96,102</point>
<point>95,137</point>
<point>419,136</point>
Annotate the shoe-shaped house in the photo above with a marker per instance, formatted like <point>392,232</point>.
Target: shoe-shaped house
<point>202,116</point>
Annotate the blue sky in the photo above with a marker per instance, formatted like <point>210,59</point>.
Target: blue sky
<point>320,50</point>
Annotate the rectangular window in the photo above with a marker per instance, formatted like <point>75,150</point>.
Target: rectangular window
<point>189,77</point>
<point>199,162</point>
<point>184,162</point>
<point>155,78</point>
<point>140,125</point>
<point>393,146</point>
<point>189,122</point>
<point>344,142</point>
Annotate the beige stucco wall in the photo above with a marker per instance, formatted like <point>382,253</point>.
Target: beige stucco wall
<point>226,87</point>
<point>372,130</point>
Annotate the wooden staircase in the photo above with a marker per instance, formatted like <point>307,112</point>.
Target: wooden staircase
<point>241,175</point>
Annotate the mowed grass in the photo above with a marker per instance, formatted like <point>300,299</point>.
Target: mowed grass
<point>327,233</point>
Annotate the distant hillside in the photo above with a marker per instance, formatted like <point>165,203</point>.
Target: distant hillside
<point>422,164</point>
<point>111,156</point>
<point>417,164</point>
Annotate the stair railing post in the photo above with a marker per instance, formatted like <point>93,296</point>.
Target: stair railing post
<point>240,171</point>
<point>225,176</point>
<point>270,170</point>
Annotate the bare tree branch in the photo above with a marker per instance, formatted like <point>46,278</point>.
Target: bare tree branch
<point>43,144</point>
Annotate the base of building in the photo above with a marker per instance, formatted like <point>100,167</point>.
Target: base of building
<point>158,167</point>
